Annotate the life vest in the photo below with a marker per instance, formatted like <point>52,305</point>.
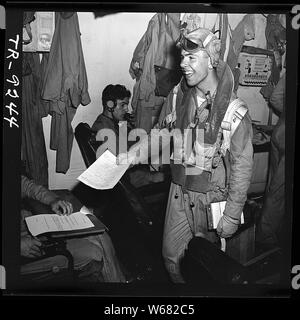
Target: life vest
<point>197,176</point>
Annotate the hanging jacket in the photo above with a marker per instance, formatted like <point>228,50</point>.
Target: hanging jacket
<point>232,40</point>
<point>236,165</point>
<point>156,48</point>
<point>33,150</point>
<point>275,36</point>
<point>277,100</point>
<point>199,20</point>
<point>225,34</point>
<point>65,85</point>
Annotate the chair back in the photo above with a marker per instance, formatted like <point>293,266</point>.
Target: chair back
<point>87,144</point>
<point>85,138</point>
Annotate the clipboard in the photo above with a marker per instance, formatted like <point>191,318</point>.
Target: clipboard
<point>98,228</point>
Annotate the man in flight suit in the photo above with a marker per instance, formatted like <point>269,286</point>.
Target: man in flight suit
<point>199,103</point>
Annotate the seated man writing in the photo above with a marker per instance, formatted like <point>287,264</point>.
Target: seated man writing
<point>94,256</point>
<point>110,127</point>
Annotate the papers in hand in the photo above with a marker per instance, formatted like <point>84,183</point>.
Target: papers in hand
<point>104,173</point>
<point>86,210</point>
<point>216,210</point>
<point>42,223</point>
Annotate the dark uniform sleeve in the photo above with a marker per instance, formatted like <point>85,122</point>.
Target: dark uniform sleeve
<point>140,52</point>
<point>31,190</point>
<point>97,125</point>
<point>241,164</point>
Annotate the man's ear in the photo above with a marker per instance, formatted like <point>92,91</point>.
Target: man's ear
<point>214,50</point>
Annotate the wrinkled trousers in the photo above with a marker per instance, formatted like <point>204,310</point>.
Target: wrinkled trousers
<point>185,218</point>
<point>271,226</point>
<point>94,257</point>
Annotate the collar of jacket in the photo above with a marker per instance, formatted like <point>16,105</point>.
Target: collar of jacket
<point>113,122</point>
<point>220,102</point>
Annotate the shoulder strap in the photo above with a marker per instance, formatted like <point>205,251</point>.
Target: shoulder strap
<point>233,116</point>
<point>175,91</point>
<point>171,118</point>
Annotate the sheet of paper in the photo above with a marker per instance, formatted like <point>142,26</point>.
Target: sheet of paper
<point>42,223</point>
<point>104,173</point>
<point>217,212</point>
<point>86,210</point>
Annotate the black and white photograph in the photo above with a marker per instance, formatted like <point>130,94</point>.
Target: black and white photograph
<point>145,151</point>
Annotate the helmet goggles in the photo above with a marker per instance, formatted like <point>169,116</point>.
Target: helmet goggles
<point>189,45</point>
<point>195,40</point>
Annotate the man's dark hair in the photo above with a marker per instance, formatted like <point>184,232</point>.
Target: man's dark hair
<point>114,93</point>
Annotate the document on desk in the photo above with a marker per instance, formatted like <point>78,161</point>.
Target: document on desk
<point>104,173</point>
<point>42,223</point>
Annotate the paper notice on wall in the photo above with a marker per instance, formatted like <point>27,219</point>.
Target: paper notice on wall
<point>42,223</point>
<point>104,173</point>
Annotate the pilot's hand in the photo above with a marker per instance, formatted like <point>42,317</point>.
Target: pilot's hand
<point>130,118</point>
<point>137,153</point>
<point>127,157</point>
<point>30,247</point>
<point>62,207</point>
<point>227,226</point>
